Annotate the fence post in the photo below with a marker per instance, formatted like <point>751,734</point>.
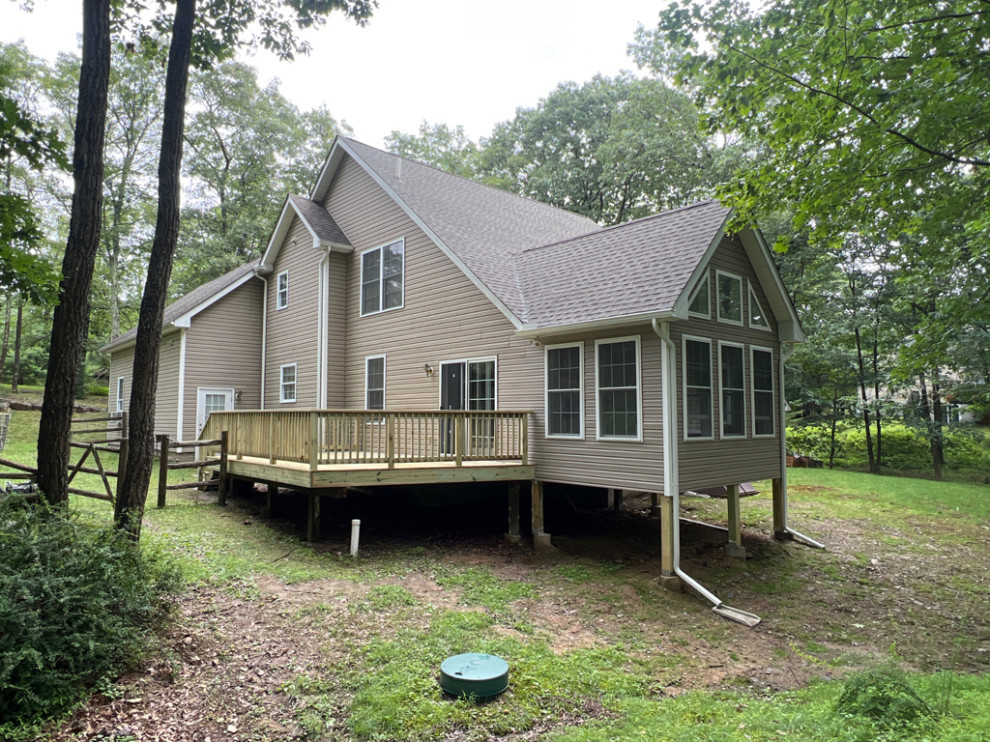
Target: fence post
<point>524,426</point>
<point>458,439</point>
<point>162,470</point>
<point>224,480</point>
<point>122,451</point>
<point>390,440</point>
<point>314,441</point>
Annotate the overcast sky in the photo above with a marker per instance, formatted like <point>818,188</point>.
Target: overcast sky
<point>444,61</point>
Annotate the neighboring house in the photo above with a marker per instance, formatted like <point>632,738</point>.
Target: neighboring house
<point>210,355</point>
<point>648,356</point>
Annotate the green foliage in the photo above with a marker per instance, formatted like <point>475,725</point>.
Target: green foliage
<point>884,696</point>
<point>482,587</point>
<point>438,145</point>
<point>76,600</point>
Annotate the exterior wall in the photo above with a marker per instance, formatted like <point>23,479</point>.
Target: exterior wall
<point>337,330</point>
<point>167,393</point>
<point>705,463</point>
<point>292,332</point>
<point>223,349</point>
<point>121,363</point>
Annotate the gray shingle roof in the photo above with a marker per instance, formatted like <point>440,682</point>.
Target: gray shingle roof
<point>630,269</point>
<point>319,220</point>
<point>190,301</point>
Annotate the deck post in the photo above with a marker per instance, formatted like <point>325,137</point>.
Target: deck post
<point>266,512</point>
<point>669,520</point>
<point>524,425</point>
<point>513,536</point>
<point>313,517</point>
<point>162,470</point>
<point>541,539</point>
<point>780,531</point>
<point>123,448</point>
<point>458,439</point>
<point>654,506</point>
<point>314,441</point>
<point>614,499</point>
<point>734,548</point>
<point>224,485</point>
<point>390,440</point>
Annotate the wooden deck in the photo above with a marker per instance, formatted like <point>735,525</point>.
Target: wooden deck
<point>326,449</point>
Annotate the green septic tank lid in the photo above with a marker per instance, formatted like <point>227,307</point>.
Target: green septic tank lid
<point>474,675</point>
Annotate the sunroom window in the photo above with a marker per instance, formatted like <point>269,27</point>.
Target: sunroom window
<point>763,409</point>
<point>697,388</point>
<point>700,305</point>
<point>729,298</point>
<point>733,391</point>
<point>757,317</point>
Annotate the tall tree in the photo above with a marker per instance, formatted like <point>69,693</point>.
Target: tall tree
<point>439,145</point>
<point>70,323</point>
<point>220,31</point>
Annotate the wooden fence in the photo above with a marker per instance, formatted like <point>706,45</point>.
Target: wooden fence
<point>317,437</point>
<point>165,465</point>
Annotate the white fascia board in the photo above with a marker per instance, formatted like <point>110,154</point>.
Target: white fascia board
<point>516,322</point>
<point>780,301</point>
<point>186,319</point>
<point>529,331</point>
<point>275,241</point>
<point>680,309</point>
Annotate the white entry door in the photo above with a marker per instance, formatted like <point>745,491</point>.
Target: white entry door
<point>211,399</point>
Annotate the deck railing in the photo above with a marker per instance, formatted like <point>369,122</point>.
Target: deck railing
<point>386,437</point>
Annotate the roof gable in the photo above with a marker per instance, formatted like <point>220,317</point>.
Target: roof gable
<point>317,221</point>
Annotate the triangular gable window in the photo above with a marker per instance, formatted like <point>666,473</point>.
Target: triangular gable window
<point>757,317</point>
<point>700,304</point>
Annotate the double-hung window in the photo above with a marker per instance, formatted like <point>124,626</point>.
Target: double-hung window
<point>730,298</point>
<point>287,383</point>
<point>618,388</point>
<point>374,383</point>
<point>761,368</point>
<point>698,419</point>
<point>282,291</point>
<point>120,394</point>
<point>382,278</point>
<point>565,391</point>
<point>733,384</point>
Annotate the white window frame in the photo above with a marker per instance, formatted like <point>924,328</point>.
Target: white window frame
<point>282,292</point>
<point>120,394</point>
<point>722,389</point>
<point>466,391</point>
<point>753,299</point>
<point>718,296</point>
<point>381,278</point>
<point>546,391</point>
<point>712,370</point>
<point>639,390</point>
<point>281,383</point>
<point>753,390</point>
<point>368,389</point>
<point>703,283</point>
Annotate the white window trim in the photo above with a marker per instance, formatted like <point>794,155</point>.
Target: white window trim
<point>281,383</point>
<point>384,377</point>
<point>381,283</point>
<point>753,299</point>
<point>638,438</point>
<point>546,391</point>
<point>706,281</point>
<point>718,304</point>
<point>752,391</point>
<point>120,394</point>
<point>466,362</point>
<point>279,293</point>
<point>712,370</point>
<point>721,388</point>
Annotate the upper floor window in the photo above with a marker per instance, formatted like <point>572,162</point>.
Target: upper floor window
<point>757,317</point>
<point>120,394</point>
<point>618,392</point>
<point>733,383</point>
<point>374,383</point>
<point>287,383</point>
<point>730,298</point>
<point>382,278</point>
<point>698,415</point>
<point>282,291</point>
<point>565,390</point>
<point>700,304</point>
<point>761,367</point>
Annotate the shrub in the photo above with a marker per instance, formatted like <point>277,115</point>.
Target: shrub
<point>76,601</point>
<point>884,696</point>
<point>97,390</point>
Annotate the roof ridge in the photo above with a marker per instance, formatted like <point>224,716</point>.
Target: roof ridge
<point>631,222</point>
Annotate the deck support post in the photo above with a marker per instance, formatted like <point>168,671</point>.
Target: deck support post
<point>162,470</point>
<point>270,489</point>
<point>313,517</point>
<point>668,522</point>
<point>541,539</point>
<point>614,499</point>
<point>224,486</point>
<point>513,536</point>
<point>655,506</point>
<point>734,548</point>
<point>780,531</point>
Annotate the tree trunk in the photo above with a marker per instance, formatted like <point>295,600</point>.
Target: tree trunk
<point>926,416</point>
<point>15,378</point>
<point>876,395</point>
<point>129,508</point>
<point>937,441</point>
<point>70,323</point>
<point>866,405</point>
<point>835,417</point>
<point>5,343</point>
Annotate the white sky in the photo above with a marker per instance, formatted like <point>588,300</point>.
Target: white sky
<point>444,61</point>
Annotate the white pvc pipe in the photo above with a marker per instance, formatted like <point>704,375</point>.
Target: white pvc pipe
<point>355,536</point>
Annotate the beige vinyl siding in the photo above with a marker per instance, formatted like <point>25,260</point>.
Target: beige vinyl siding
<point>337,330</point>
<point>121,364</point>
<point>223,350</point>
<point>706,463</point>
<point>293,331</point>
<point>167,395</point>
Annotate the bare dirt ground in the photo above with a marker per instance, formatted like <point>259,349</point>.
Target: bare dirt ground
<point>226,662</point>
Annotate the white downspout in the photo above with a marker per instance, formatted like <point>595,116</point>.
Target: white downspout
<point>322,330</point>
<point>671,483</point>
<point>784,355</point>
<point>264,336</point>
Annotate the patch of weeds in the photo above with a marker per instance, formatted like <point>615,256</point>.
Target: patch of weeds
<point>885,697</point>
<point>387,597</point>
<point>481,587</point>
<point>317,710</point>
<point>573,572</point>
